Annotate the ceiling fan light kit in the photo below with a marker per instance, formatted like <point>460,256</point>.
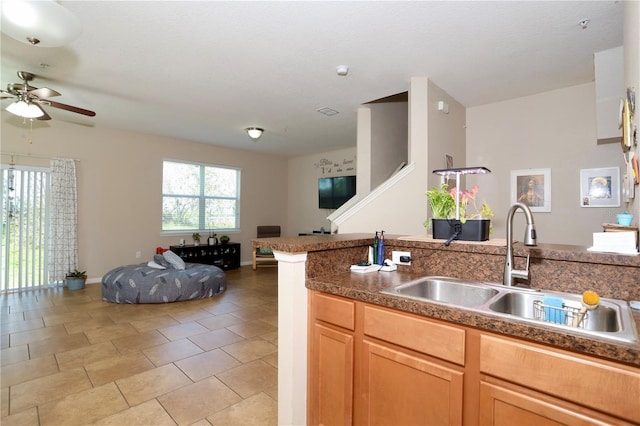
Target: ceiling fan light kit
<point>28,100</point>
<point>25,109</point>
<point>43,23</point>
<point>254,133</point>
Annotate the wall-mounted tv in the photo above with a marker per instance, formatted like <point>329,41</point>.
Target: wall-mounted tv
<point>335,191</point>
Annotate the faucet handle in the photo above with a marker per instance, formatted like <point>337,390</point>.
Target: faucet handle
<point>522,274</point>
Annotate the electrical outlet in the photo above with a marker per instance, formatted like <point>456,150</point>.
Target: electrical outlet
<point>138,255</point>
<point>397,257</point>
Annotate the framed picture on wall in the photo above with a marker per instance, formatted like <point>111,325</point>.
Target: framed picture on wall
<point>600,187</point>
<point>448,164</point>
<point>532,187</point>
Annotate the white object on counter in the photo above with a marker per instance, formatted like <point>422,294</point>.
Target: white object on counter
<point>389,266</point>
<point>623,242</point>
<point>365,269</point>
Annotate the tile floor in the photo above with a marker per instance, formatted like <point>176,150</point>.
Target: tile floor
<point>69,358</point>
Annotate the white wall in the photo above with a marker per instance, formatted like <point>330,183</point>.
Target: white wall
<point>446,134</point>
<point>304,214</point>
<point>402,209</point>
<point>120,186</point>
<point>553,130</point>
<point>389,126</point>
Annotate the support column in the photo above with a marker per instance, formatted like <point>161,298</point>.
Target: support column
<point>292,338</point>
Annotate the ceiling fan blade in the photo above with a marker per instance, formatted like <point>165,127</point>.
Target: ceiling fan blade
<point>4,95</point>
<point>71,108</point>
<point>45,116</point>
<point>44,93</point>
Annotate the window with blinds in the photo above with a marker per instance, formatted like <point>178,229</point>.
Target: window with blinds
<point>200,197</point>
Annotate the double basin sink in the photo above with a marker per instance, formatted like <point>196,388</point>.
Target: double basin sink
<point>612,319</point>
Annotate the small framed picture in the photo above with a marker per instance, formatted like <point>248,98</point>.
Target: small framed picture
<point>600,187</point>
<point>532,187</point>
<point>448,164</point>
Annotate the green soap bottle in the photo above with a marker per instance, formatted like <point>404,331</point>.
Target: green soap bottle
<point>376,241</point>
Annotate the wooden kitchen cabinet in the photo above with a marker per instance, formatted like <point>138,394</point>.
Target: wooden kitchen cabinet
<point>331,360</point>
<point>402,389</point>
<point>374,365</point>
<point>521,379</point>
<point>505,404</point>
<point>396,380</point>
<point>401,381</point>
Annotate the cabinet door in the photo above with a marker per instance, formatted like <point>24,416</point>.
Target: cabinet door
<point>507,406</point>
<point>331,379</point>
<point>402,389</point>
<point>598,384</point>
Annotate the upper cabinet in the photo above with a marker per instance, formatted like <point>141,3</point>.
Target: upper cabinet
<point>609,74</point>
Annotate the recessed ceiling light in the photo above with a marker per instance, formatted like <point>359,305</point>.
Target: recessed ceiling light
<point>328,111</point>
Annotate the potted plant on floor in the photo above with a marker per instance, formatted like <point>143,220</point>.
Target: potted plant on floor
<point>474,223</point>
<point>75,280</point>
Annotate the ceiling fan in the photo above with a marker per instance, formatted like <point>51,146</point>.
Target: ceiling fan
<point>29,100</point>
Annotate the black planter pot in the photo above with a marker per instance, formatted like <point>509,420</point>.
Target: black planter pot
<point>471,230</point>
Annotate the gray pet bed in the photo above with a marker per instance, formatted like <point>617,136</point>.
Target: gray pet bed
<point>143,284</point>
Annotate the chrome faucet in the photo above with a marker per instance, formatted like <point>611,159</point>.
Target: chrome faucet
<point>511,274</point>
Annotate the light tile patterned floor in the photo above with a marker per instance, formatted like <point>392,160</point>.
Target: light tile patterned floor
<point>68,358</point>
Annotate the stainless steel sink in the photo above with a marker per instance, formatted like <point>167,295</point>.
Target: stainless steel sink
<point>446,290</point>
<point>606,317</point>
<point>612,319</point>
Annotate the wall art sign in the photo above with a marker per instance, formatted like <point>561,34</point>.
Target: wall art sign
<point>532,187</point>
<point>600,187</point>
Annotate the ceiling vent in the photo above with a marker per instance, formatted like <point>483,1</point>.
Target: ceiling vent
<point>328,111</point>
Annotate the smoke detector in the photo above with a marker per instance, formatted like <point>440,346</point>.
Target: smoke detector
<point>342,70</point>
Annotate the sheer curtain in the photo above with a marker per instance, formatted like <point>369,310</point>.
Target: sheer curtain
<point>63,242</point>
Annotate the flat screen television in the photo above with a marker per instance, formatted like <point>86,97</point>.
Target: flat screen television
<point>335,191</point>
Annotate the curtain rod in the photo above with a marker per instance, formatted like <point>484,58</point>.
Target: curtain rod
<point>13,154</point>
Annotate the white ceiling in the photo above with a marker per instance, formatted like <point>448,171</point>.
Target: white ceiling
<point>205,70</point>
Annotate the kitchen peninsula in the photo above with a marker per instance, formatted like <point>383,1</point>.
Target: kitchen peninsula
<point>321,264</point>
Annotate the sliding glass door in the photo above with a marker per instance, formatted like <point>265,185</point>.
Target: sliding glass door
<point>24,252</point>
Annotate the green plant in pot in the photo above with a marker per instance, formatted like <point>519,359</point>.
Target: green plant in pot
<point>76,279</point>
<point>442,201</point>
<point>196,238</point>
<point>224,239</point>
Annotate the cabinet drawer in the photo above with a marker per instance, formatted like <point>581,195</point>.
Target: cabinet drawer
<point>597,384</point>
<point>425,336</point>
<point>335,310</point>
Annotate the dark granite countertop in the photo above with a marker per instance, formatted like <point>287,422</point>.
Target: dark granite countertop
<point>314,242</point>
<point>548,251</point>
<point>367,287</point>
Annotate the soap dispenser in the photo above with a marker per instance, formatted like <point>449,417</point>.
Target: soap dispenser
<point>376,241</point>
<point>381,249</point>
